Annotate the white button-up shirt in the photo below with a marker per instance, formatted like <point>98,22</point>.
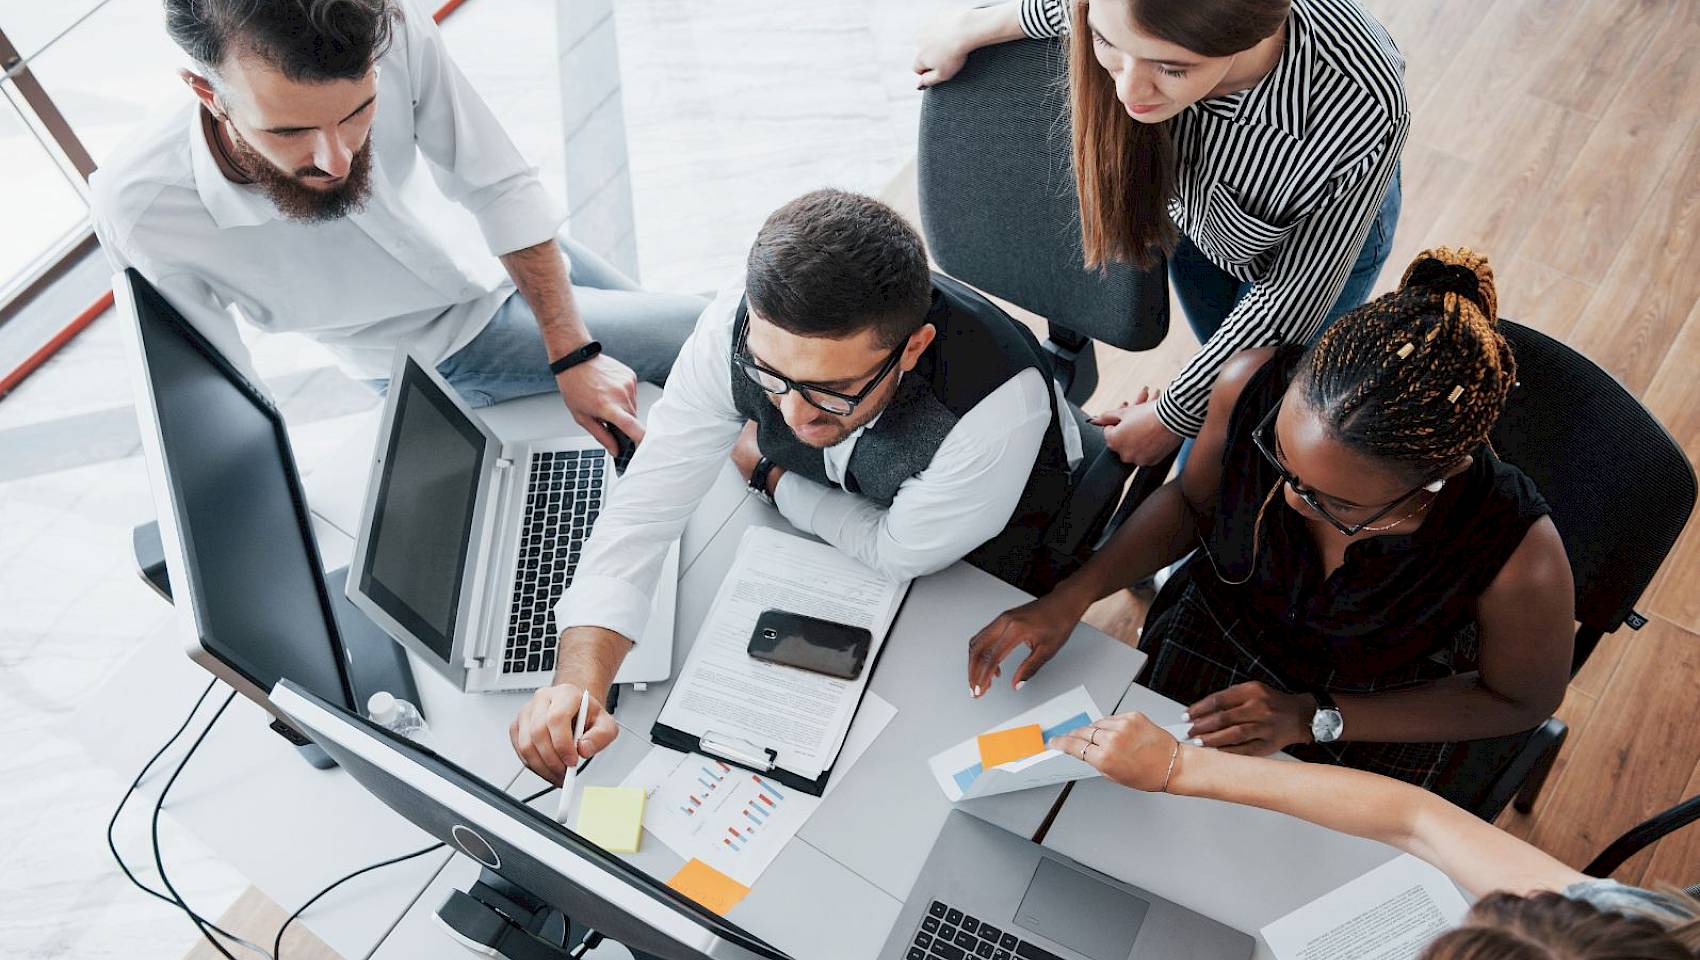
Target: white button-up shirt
<point>450,193</point>
<point>961,500</point>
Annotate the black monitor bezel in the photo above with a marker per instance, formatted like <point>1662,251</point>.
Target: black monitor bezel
<point>440,766</point>
<point>146,298</point>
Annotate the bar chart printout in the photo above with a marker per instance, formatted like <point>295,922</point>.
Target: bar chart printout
<point>733,820</point>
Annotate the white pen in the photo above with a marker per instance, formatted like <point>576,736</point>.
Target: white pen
<point>566,803</point>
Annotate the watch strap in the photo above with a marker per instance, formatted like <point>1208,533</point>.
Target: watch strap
<point>758,478</point>
<point>571,360</point>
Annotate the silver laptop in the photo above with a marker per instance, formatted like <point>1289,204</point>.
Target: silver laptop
<point>467,541</point>
<point>987,894</point>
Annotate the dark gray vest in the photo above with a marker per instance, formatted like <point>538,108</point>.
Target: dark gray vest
<point>978,348</point>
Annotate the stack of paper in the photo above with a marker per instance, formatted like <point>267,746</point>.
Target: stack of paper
<point>1013,755</point>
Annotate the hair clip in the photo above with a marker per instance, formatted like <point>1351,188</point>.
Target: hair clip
<point>1406,350</point>
<point>1455,394</point>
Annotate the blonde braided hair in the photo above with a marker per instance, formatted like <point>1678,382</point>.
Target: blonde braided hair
<point>1420,375</point>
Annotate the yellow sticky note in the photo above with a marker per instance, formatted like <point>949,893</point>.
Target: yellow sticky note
<point>1016,743</point>
<point>611,817</point>
<point>708,886</point>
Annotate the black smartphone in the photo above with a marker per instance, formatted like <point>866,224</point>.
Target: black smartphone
<point>809,643</point>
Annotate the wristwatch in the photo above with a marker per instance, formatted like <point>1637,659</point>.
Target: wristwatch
<point>1326,724</point>
<point>758,479</point>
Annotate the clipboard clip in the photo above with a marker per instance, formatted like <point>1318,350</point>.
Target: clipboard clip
<point>739,751</point>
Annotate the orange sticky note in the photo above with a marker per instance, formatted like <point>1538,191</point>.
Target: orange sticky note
<point>708,886</point>
<point>1016,743</point>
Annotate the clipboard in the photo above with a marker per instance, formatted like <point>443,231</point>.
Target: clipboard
<point>760,759</point>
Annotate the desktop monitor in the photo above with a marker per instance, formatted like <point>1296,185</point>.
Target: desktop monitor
<point>246,579</point>
<point>519,844</point>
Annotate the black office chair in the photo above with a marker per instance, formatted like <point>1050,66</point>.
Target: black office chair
<point>1621,491</point>
<point>999,211</point>
<point>1643,835</point>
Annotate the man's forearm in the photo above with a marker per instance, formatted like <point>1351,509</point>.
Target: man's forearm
<point>540,273</point>
<point>589,657</point>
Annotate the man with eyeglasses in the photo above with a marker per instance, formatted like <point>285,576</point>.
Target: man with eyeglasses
<point>901,417</point>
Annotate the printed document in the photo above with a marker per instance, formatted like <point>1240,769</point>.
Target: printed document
<point>961,775</point>
<point>802,716</point>
<point>1389,913</point>
<point>729,818</point>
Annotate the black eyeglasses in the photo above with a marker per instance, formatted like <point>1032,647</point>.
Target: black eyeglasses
<point>829,401</point>
<point>1264,437</point>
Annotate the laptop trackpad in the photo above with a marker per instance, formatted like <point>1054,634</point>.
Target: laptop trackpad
<point>1081,912</point>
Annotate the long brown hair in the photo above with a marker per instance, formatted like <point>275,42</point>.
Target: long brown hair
<point>1124,171</point>
<point>1550,926</point>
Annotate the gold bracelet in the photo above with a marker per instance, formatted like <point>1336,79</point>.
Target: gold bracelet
<point>1171,771</point>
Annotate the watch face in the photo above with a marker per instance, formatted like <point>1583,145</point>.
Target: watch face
<point>1326,725</point>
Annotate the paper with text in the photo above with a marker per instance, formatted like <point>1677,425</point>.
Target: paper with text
<point>1389,913</point>
<point>803,716</point>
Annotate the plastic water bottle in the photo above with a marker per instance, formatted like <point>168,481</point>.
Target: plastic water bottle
<point>397,715</point>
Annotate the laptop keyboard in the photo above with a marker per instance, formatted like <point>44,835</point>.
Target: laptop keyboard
<point>562,499</point>
<point>947,933</point>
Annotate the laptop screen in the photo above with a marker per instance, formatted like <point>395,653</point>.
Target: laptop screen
<point>422,519</point>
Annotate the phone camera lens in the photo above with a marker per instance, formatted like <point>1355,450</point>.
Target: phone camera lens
<point>770,633</point>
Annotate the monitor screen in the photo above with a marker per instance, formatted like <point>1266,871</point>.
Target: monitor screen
<point>422,518</point>
<point>594,887</point>
<point>260,599</point>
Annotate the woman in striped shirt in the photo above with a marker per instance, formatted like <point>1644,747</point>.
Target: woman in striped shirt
<point>1256,142</point>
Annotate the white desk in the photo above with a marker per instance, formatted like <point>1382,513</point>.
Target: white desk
<point>1240,865</point>
<point>291,829</point>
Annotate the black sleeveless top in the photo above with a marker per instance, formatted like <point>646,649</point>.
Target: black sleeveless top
<point>1395,599</point>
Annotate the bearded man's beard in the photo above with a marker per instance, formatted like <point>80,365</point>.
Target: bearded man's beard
<point>290,193</point>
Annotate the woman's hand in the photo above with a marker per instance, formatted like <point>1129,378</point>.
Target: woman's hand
<point>1128,748</point>
<point>1134,432</point>
<point>1042,625</point>
<point>950,37</point>
<point>1252,719</point>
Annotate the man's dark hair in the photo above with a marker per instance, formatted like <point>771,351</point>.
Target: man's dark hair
<point>832,264</point>
<point>308,40</point>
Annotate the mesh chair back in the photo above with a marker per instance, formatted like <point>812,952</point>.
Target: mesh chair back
<point>1620,488</point>
<point>998,202</point>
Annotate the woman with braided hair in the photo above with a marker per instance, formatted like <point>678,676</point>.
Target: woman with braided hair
<point>1371,582</point>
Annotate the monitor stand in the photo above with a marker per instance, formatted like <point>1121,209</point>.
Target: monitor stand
<point>495,917</point>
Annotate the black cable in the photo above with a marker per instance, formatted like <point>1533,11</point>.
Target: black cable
<point>159,805</point>
<point>277,943</point>
<point>112,824</point>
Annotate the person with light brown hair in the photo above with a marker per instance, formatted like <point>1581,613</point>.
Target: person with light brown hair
<point>1255,142</point>
<point>1530,906</point>
<point>1364,581</point>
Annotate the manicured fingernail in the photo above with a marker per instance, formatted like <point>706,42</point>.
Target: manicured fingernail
<point>1186,717</point>
<point>1020,683</point>
<point>974,691</point>
<point>1196,742</point>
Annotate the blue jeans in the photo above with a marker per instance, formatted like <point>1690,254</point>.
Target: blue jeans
<point>1208,293</point>
<point>508,359</point>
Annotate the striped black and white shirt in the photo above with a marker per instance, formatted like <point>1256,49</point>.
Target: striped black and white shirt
<point>1279,184</point>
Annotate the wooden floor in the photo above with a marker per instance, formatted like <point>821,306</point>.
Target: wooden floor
<point>1562,138</point>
